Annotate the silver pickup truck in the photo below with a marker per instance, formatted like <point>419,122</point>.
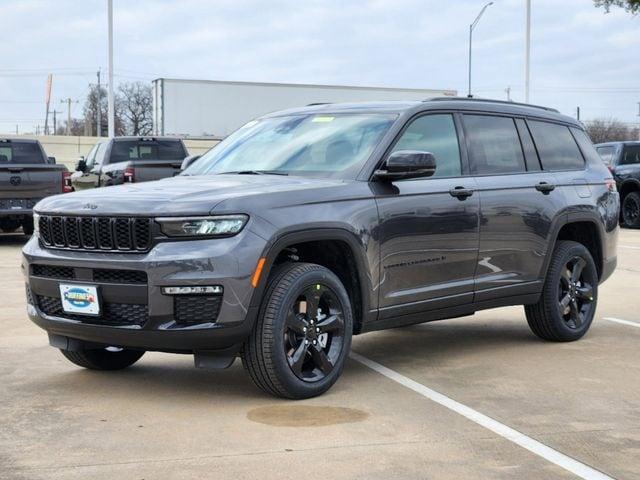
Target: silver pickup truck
<point>27,176</point>
<point>127,160</point>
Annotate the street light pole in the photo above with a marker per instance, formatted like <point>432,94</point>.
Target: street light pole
<point>527,51</point>
<point>111,118</point>
<point>471,27</point>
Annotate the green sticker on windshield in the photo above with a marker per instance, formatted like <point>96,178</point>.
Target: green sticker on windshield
<point>322,119</point>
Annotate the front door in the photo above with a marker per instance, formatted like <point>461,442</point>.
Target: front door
<point>428,229</point>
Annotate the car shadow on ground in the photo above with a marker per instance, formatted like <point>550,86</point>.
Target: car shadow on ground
<point>174,376</point>
<point>13,239</point>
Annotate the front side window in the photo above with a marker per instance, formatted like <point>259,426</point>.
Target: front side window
<point>630,155</point>
<point>606,153</point>
<point>91,156</point>
<point>319,145</point>
<point>556,146</point>
<point>436,134</point>
<point>494,145</point>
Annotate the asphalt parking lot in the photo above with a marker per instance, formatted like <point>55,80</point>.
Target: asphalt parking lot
<point>478,397</point>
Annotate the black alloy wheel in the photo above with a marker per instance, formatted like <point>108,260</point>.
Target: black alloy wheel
<point>575,293</point>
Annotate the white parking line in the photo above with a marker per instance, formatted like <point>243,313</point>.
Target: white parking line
<point>623,322</point>
<point>629,246</point>
<point>580,469</point>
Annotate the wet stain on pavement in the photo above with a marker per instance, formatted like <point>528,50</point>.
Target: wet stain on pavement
<point>305,415</point>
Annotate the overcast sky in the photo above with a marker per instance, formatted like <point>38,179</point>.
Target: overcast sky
<point>580,55</point>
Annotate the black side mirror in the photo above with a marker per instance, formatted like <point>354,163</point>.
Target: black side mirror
<point>81,165</point>
<point>52,160</point>
<point>188,161</point>
<point>407,164</point>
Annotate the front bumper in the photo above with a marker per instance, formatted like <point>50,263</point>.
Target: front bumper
<point>227,262</point>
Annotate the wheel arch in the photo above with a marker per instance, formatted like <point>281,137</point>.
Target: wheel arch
<point>359,285</point>
<point>628,186</point>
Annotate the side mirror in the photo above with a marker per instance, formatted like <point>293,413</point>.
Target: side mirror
<point>188,161</point>
<point>81,165</point>
<point>52,160</point>
<point>407,164</point>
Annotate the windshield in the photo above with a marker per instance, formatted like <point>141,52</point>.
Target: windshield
<point>20,152</point>
<point>331,145</point>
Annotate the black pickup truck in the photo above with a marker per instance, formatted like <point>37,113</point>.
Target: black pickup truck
<point>27,176</point>
<point>127,160</point>
<point>623,161</point>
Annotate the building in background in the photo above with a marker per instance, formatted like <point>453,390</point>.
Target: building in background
<point>204,108</point>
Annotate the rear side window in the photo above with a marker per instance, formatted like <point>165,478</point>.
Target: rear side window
<point>630,155</point>
<point>606,153</point>
<point>494,145</point>
<point>436,134</point>
<point>20,152</point>
<point>126,150</point>
<point>556,146</point>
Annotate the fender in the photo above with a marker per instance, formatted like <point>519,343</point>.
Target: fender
<point>314,234</point>
<point>566,219</point>
<point>630,183</point>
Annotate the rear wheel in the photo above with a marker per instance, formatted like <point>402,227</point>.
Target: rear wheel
<point>108,358</point>
<point>568,302</point>
<point>631,210</point>
<point>303,334</point>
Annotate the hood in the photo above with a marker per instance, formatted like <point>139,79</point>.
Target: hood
<point>182,195</point>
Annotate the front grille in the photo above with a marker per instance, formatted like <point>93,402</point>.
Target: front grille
<point>116,314</point>
<point>194,309</point>
<point>119,276</point>
<point>122,234</point>
<point>50,271</point>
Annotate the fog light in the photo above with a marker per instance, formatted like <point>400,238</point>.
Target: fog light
<point>209,290</point>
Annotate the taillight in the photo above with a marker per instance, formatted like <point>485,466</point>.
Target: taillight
<point>129,175</point>
<point>611,184</point>
<point>66,182</point>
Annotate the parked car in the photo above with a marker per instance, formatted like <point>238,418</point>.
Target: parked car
<point>623,160</point>
<point>129,160</point>
<point>27,176</point>
<point>310,225</point>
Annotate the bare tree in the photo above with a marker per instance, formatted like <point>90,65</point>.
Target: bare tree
<point>90,111</point>
<point>136,107</point>
<point>632,6</point>
<point>77,127</point>
<point>610,130</point>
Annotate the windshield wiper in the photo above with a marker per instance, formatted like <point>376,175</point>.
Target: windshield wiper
<point>256,172</point>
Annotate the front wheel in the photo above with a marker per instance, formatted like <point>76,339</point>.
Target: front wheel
<point>303,333</point>
<point>108,358</point>
<point>568,302</point>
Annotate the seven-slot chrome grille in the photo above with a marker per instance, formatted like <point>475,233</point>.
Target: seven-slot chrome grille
<point>109,234</point>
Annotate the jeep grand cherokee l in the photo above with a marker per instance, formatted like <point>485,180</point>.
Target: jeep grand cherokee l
<point>308,226</point>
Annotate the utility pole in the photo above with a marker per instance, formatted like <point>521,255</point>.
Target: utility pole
<point>68,101</point>
<point>578,113</point>
<point>508,92</point>
<point>527,52</point>
<point>55,121</point>
<point>99,120</point>
<point>17,130</point>
<point>112,119</point>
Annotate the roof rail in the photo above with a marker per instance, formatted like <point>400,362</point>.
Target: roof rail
<point>488,100</point>
<point>318,103</point>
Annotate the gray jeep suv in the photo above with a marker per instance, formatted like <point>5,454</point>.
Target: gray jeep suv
<point>308,226</point>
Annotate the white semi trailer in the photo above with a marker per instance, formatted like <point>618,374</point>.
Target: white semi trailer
<point>204,108</point>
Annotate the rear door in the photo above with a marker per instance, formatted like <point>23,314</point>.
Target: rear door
<point>518,200</point>
<point>428,231</point>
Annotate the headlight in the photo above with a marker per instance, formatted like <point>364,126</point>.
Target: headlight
<point>218,226</point>
<point>36,225</point>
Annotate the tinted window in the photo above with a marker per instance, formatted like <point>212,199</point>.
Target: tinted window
<point>494,145</point>
<point>556,146</point>
<point>630,155</point>
<point>586,146</point>
<point>126,150</point>
<point>20,152</point>
<point>607,154</point>
<point>102,148</point>
<point>435,134</point>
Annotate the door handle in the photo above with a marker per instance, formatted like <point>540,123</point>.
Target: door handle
<point>545,187</point>
<point>461,193</point>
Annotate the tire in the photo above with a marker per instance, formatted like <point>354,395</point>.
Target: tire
<point>27,227</point>
<point>631,210</point>
<point>569,297</point>
<point>291,353</point>
<point>103,359</point>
